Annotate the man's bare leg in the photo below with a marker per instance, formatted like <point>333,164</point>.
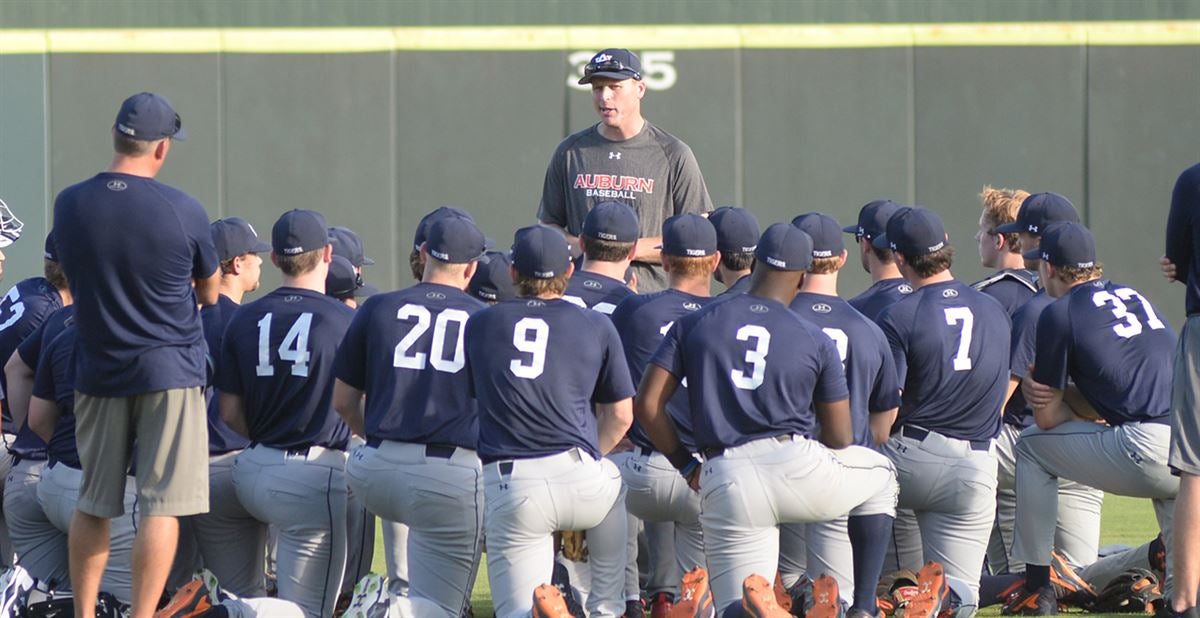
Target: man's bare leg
<point>153,554</point>
<point>88,548</point>
<point>1186,544</point>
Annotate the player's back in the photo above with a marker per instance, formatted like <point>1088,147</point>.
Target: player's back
<point>881,295</point>
<point>214,319</point>
<point>405,349</point>
<point>22,309</point>
<point>54,380</point>
<point>754,369</point>
<point>1118,349</point>
<point>865,355</point>
<point>642,321</point>
<point>536,367</point>
<point>950,344</point>
<point>278,355</point>
<point>1011,287</point>
<point>596,292</point>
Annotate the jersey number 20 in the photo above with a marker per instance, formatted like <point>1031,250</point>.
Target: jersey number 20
<point>405,358</point>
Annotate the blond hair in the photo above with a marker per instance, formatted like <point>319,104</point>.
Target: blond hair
<point>1000,206</point>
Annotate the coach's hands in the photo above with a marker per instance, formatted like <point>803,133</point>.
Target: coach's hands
<point>1168,268</point>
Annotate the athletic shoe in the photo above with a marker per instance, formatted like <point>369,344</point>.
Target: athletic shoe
<point>824,601</point>
<point>758,599</point>
<point>1069,587</point>
<point>862,613</point>
<point>1040,602</point>
<point>15,586</point>
<point>783,598</point>
<point>562,580</point>
<point>548,602</point>
<point>1158,554</point>
<point>189,601</point>
<point>932,592</point>
<point>369,599</point>
<point>695,598</point>
<point>634,608</point>
<point>661,605</point>
<point>801,593</point>
<point>108,606</point>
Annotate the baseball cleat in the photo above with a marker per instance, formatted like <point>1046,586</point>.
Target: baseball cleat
<point>15,586</point>
<point>634,608</point>
<point>1040,602</point>
<point>932,592</point>
<point>189,601</point>
<point>862,613</point>
<point>695,598</point>
<point>825,601</point>
<point>758,599</point>
<point>783,598</point>
<point>660,605</point>
<point>1069,587</point>
<point>548,602</point>
<point>369,599</point>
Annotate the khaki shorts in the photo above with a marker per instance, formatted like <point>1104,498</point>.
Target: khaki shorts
<point>170,432</point>
<point>1185,405</point>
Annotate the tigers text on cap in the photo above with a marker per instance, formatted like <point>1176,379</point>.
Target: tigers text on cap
<point>825,232</point>
<point>541,252</point>
<point>1066,243</point>
<point>454,240</point>
<point>612,221</point>
<point>689,235</point>
<point>147,116</point>
<point>737,229</point>
<point>348,245</point>
<point>1038,211</point>
<point>298,231</point>
<point>785,247</point>
<point>437,214</point>
<point>492,282</point>
<point>233,236</point>
<point>913,231</point>
<point>342,281</point>
<point>872,219</point>
<point>613,63</point>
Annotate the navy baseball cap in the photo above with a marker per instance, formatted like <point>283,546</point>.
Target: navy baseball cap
<point>343,281</point>
<point>147,116</point>
<point>492,282</point>
<point>613,63</point>
<point>913,231</point>
<point>234,236</point>
<point>1066,243</point>
<point>455,240</point>
<point>1038,211</point>
<point>785,247</point>
<point>737,229</point>
<point>689,235</point>
<point>349,245</point>
<point>49,251</point>
<point>611,221</point>
<point>439,213</point>
<point>825,232</point>
<point>299,231</point>
<point>541,252</point>
<point>873,219</point>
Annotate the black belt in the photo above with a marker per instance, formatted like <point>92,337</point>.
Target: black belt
<point>441,451</point>
<point>643,451</point>
<point>299,451</point>
<point>505,466</point>
<point>917,433</point>
<point>713,453</point>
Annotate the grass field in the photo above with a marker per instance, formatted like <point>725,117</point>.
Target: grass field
<point>1126,521</point>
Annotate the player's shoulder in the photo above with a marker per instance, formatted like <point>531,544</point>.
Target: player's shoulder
<point>1019,277</point>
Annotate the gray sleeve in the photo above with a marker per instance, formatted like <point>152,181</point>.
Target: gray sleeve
<point>553,207</point>
<point>688,192</point>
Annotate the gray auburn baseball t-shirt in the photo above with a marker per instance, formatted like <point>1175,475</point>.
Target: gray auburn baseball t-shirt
<point>654,172</point>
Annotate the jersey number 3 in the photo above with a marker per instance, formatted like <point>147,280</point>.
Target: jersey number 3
<point>756,357</point>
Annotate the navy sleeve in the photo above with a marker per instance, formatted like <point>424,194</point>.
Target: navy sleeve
<point>228,378</point>
<point>1024,346</point>
<point>1053,361</point>
<point>43,376</point>
<point>831,383</point>
<point>897,343</point>
<point>204,260</point>
<point>613,383</point>
<point>669,355</point>
<point>349,365</point>
<point>885,395</point>
<point>30,347</point>
<point>1185,201</point>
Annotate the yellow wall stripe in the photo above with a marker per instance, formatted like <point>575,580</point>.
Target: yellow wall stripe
<point>533,38</point>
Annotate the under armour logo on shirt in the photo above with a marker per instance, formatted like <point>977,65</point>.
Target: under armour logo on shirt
<point>614,155</point>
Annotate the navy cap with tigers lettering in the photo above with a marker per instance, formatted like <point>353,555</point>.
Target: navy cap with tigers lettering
<point>541,252</point>
<point>611,221</point>
<point>1066,244</point>
<point>825,232</point>
<point>689,235</point>
<point>785,247</point>
<point>913,231</point>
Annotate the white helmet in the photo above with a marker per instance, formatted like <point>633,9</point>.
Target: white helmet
<point>10,226</point>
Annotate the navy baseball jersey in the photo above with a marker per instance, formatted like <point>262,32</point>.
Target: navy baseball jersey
<point>27,444</point>
<point>537,366</point>
<point>596,292</point>
<point>754,370</point>
<point>221,438</point>
<point>278,355</point>
<point>950,343</point>
<point>881,295</point>
<point>865,355</point>
<point>739,287</point>
<point>131,247</point>
<point>1183,234</point>
<point>643,321</point>
<point>1022,350</point>
<point>405,350</point>
<point>1114,345</point>
<point>26,305</point>
<point>1012,287</point>
<point>54,380</point>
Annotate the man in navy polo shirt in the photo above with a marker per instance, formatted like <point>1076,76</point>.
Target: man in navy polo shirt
<point>1115,347</point>
<point>139,257</point>
<point>737,236</point>
<point>950,345</point>
<point>756,372</point>
<point>874,398</point>
<point>276,379</point>
<point>609,238</point>
<point>887,284</point>
<point>539,366</point>
<point>404,351</point>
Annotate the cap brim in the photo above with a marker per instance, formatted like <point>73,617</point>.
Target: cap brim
<point>617,75</point>
<point>366,290</point>
<point>881,242</point>
<point>1036,254</point>
<point>180,135</point>
<point>366,261</point>
<point>259,247</point>
<point>851,229</point>
<point>1008,228</point>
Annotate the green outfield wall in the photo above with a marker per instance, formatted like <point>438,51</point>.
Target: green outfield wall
<point>376,124</point>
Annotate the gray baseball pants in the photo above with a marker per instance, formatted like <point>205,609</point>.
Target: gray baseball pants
<point>655,492</point>
<point>41,548</point>
<point>232,542</point>
<point>527,500</point>
<point>817,549</point>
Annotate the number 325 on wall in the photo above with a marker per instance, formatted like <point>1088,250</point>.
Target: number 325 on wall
<point>658,69</point>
